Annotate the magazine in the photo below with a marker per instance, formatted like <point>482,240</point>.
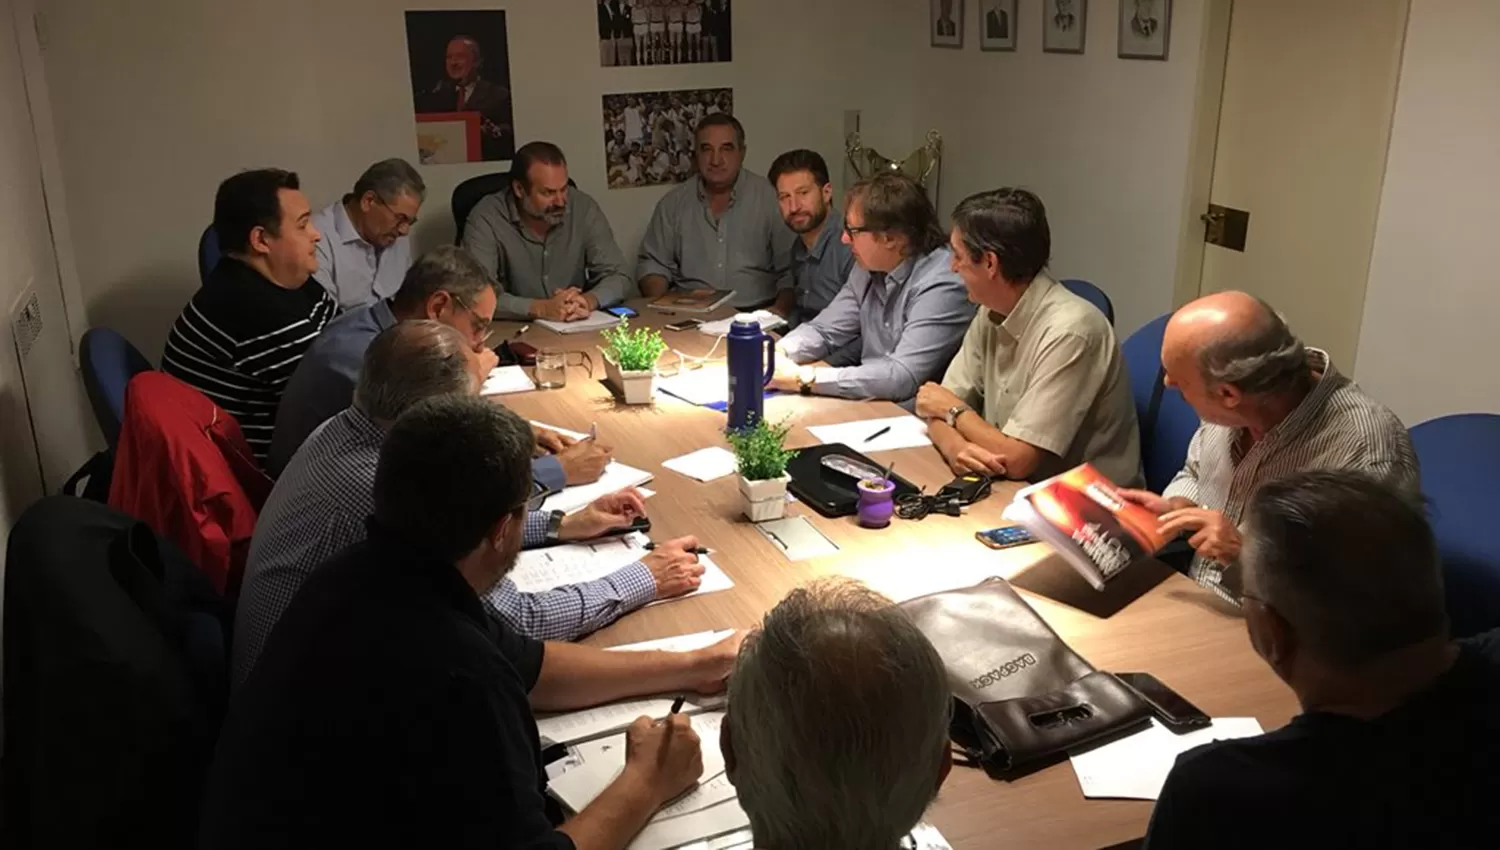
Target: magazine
<point>692,300</point>
<point>1081,514</point>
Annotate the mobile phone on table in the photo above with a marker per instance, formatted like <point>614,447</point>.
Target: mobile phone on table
<point>1004,538</point>
<point>621,311</point>
<point>1175,712</point>
<point>685,325</point>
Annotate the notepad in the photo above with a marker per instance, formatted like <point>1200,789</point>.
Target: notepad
<point>705,464</point>
<point>906,432</point>
<point>574,563</point>
<point>601,761</point>
<point>596,321</point>
<point>617,476</point>
<point>507,379</point>
<point>1136,767</point>
<point>697,386</point>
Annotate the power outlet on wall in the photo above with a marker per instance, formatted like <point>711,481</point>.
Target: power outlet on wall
<point>26,322</point>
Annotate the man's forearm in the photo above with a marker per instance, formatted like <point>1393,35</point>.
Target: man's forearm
<point>786,302</point>
<point>1021,457</point>
<point>653,286</point>
<point>615,816</point>
<point>576,676</point>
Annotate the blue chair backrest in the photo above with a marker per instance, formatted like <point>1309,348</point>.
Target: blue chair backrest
<point>1165,432</point>
<point>1460,458</point>
<point>1092,294</point>
<point>208,253</point>
<point>109,361</point>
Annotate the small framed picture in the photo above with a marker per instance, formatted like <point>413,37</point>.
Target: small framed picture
<point>1145,28</point>
<point>947,23</point>
<point>997,24</point>
<point>1064,25</point>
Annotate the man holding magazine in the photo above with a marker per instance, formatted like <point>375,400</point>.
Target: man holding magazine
<point>1039,385</point>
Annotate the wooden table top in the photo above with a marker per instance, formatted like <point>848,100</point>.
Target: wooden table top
<point>1150,619</point>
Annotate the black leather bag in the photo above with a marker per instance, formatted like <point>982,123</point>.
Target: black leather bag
<point>1022,697</point>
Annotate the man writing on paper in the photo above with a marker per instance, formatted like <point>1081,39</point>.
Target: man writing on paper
<point>861,775</point>
<point>445,285</point>
<point>1270,407</point>
<point>720,231</point>
<point>366,245</point>
<point>389,710</point>
<point>1396,745</point>
<point>319,506</point>
<point>903,305</point>
<point>1039,386</point>
<point>546,242</point>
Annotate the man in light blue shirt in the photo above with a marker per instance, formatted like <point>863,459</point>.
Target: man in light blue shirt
<point>903,304</point>
<point>366,248</point>
<point>821,262</point>
<point>447,285</point>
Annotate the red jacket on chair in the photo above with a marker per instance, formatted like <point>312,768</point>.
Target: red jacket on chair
<point>183,467</point>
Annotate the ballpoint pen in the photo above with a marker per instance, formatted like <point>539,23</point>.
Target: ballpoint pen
<point>878,434</point>
<point>697,550</point>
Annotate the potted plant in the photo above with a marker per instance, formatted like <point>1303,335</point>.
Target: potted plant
<point>761,455</point>
<point>630,360</point>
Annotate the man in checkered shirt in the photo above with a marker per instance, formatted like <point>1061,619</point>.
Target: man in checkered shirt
<point>320,504</point>
<point>1270,407</point>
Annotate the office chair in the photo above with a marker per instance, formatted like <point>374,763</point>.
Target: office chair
<point>1092,294</point>
<point>1166,420</point>
<point>208,253</point>
<point>1460,458</point>
<point>109,361</point>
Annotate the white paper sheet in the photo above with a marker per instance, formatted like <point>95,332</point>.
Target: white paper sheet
<point>705,464</point>
<point>703,386</point>
<point>617,476</point>
<point>724,818</point>
<point>596,321</point>
<point>768,322</point>
<point>576,435</point>
<point>574,563</point>
<point>592,723</point>
<point>507,379</point>
<point>1136,767</point>
<point>905,432</point>
<point>677,643</point>
<point>601,761</point>
<point>922,837</point>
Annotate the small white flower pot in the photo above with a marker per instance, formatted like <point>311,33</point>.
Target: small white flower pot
<point>635,387</point>
<point>764,500</point>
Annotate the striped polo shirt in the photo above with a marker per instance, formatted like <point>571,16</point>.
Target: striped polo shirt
<point>1335,427</point>
<point>239,340</point>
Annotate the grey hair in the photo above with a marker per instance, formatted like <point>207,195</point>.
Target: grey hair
<point>447,268</point>
<point>1269,358</point>
<point>389,179</point>
<point>409,362</point>
<point>839,711</point>
<point>1348,561</point>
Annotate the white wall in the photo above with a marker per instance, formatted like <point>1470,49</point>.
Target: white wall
<point>1105,142</point>
<point>157,100</point>
<point>1428,345</point>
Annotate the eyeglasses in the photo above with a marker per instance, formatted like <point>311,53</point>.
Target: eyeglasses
<point>851,231</point>
<point>402,219</point>
<point>480,321</point>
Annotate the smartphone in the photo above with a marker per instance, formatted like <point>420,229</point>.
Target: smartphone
<point>685,325</point>
<point>1170,708</point>
<point>1004,538</point>
<point>641,524</point>
<point>622,311</point>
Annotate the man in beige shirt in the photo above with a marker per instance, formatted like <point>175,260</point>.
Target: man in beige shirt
<point>1039,385</point>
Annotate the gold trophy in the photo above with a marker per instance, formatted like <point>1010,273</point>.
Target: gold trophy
<point>924,165</point>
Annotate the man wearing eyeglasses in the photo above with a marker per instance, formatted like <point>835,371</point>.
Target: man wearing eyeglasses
<point>366,249</point>
<point>448,286</point>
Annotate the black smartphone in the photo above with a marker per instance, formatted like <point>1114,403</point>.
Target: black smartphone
<point>1004,538</point>
<point>622,311</point>
<point>685,325</point>
<point>1175,712</point>
<point>641,524</point>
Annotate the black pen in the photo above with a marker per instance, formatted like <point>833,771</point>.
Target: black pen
<point>677,705</point>
<point>700,550</point>
<point>881,433</point>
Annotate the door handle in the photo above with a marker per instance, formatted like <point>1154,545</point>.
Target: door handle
<point>1211,217</point>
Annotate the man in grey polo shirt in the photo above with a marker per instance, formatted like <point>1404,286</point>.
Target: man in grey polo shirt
<point>547,244</point>
<point>821,262</point>
<point>366,247</point>
<point>902,305</point>
<point>1039,386</point>
<point>447,285</point>
<point>722,230</point>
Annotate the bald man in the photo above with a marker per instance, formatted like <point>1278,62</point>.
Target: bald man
<point>1270,407</point>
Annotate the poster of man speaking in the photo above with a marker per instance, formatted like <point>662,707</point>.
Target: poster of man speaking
<point>460,73</point>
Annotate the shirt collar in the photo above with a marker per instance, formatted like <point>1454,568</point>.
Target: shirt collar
<point>900,274</point>
<point>1311,407</point>
<point>832,228</point>
<point>734,191</point>
<point>1025,311</point>
<point>344,226</point>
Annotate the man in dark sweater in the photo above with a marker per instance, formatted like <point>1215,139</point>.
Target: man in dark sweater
<point>239,339</point>
<point>387,710</point>
<point>1399,738</point>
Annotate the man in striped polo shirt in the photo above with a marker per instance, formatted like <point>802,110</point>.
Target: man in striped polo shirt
<point>1270,407</point>
<point>239,339</point>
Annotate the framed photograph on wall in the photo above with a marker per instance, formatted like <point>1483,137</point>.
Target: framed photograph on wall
<point>997,24</point>
<point>947,23</point>
<point>449,138</point>
<point>1145,28</point>
<point>460,66</point>
<point>664,32</point>
<point>648,136</point>
<point>1064,25</point>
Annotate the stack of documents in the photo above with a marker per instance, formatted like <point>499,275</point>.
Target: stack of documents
<point>507,379</point>
<point>1136,767</point>
<point>875,435</point>
<point>596,321</point>
<point>543,569</point>
<point>768,322</point>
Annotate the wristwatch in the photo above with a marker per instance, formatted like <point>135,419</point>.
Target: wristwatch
<point>954,412</point>
<point>806,377</point>
<point>554,526</point>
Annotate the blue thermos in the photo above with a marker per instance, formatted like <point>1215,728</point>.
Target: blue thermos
<point>752,363</point>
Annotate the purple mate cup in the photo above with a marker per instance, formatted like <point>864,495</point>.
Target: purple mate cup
<point>875,502</point>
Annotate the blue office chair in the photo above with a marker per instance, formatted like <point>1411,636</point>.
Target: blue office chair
<point>1092,294</point>
<point>208,253</point>
<point>109,361</point>
<point>1460,457</point>
<point>1166,421</point>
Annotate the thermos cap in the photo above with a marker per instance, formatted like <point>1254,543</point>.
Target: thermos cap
<point>745,319</point>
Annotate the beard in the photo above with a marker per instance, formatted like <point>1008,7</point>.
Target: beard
<point>814,221</point>
<point>554,215</point>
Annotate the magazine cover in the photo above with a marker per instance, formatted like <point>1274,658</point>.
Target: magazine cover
<point>1083,516</point>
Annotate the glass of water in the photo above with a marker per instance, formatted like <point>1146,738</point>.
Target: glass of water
<point>552,368</point>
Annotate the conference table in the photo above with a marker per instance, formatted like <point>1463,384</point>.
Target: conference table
<point>1149,619</point>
